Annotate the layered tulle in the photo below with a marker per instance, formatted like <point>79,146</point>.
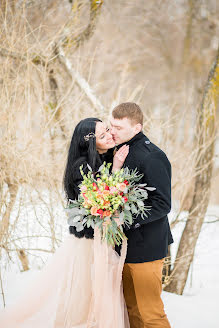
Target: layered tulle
<point>107,308</point>
<point>79,287</point>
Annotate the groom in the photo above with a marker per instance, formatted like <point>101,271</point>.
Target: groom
<point>148,238</point>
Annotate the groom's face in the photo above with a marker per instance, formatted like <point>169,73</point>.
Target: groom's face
<point>123,130</point>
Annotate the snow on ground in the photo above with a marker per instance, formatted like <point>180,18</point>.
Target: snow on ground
<point>198,307</point>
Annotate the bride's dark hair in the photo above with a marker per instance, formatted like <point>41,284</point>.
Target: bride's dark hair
<point>81,151</point>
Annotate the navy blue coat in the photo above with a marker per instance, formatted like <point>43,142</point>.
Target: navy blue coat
<point>148,238</point>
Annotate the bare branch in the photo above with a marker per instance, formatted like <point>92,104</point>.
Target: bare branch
<point>82,83</point>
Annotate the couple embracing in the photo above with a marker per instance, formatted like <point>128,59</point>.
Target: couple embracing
<point>87,284</point>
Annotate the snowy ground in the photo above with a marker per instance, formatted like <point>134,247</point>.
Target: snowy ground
<point>198,307</point>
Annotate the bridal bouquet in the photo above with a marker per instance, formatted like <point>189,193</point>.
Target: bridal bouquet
<point>109,201</point>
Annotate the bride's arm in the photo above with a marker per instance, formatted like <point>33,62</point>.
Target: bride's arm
<point>119,158</point>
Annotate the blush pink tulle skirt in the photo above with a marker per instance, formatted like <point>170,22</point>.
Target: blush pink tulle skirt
<point>79,287</point>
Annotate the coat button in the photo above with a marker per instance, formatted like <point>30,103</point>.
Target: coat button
<point>137,225</point>
<point>147,142</point>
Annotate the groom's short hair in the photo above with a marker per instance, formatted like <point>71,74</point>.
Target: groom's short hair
<point>128,110</point>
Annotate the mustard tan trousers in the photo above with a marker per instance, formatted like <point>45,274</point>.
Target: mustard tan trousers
<point>142,284</point>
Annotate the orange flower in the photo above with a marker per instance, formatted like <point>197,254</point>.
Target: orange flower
<point>121,186</point>
<point>85,204</point>
<point>107,213</point>
<point>106,192</point>
<point>94,210</point>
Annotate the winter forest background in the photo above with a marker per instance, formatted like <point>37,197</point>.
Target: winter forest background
<point>61,61</point>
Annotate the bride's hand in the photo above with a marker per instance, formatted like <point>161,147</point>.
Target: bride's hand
<point>119,157</point>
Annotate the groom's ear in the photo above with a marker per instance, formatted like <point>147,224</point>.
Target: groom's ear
<point>138,128</point>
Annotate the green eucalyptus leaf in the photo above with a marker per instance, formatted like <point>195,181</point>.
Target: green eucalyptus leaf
<point>121,217</point>
<point>144,194</point>
<point>71,222</point>
<point>101,168</point>
<point>77,218</point>
<point>83,211</point>
<point>98,224</point>
<point>150,188</point>
<point>73,211</point>
<point>79,227</point>
<point>127,207</point>
<point>140,203</point>
<point>89,168</point>
<point>128,216</point>
<point>134,209</point>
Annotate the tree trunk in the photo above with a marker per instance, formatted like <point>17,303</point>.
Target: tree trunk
<point>205,131</point>
<point>24,259</point>
<point>5,222</point>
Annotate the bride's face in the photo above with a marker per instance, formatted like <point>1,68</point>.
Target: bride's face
<point>104,140</point>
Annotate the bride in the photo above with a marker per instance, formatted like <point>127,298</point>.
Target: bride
<point>81,284</point>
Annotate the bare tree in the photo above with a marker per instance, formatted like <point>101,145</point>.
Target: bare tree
<point>205,130</point>
<point>57,65</point>
<point>47,68</point>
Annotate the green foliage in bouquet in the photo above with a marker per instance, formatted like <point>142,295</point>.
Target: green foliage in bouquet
<point>109,201</point>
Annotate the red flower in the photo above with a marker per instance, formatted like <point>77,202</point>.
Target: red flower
<point>126,182</point>
<point>107,187</point>
<point>100,212</point>
<point>125,199</point>
<point>95,186</point>
<point>121,193</point>
<point>84,195</point>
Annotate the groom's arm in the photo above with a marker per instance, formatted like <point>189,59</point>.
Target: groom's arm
<point>157,173</point>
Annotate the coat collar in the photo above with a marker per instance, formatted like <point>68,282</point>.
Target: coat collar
<point>132,141</point>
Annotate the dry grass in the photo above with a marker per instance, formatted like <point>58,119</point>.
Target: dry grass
<point>137,53</point>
